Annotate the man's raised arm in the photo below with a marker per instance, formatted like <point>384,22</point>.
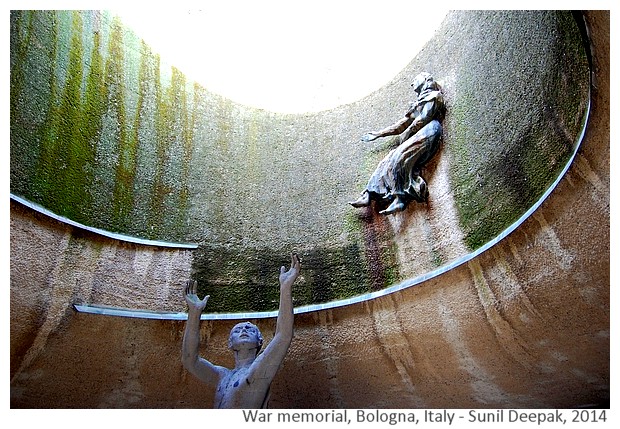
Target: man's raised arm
<point>199,367</point>
<point>269,361</point>
<point>284,324</point>
<point>392,130</point>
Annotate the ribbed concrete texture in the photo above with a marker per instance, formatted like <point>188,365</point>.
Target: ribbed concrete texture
<point>524,324</point>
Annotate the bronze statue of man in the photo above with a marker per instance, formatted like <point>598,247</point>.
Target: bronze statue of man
<point>247,384</point>
<point>396,180</point>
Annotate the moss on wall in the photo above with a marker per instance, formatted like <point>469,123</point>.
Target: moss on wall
<point>32,89</point>
<point>515,116</point>
<point>241,282</point>
<point>87,108</point>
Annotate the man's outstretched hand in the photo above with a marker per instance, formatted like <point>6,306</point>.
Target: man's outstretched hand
<point>287,278</point>
<point>194,303</point>
<point>368,137</point>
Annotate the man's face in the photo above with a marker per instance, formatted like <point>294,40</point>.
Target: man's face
<point>245,335</point>
<point>417,85</point>
<point>418,82</point>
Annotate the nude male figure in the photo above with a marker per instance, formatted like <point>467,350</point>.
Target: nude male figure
<point>247,384</point>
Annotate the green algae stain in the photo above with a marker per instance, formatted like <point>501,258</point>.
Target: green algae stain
<point>22,130</point>
<point>248,281</point>
<point>73,152</point>
<point>78,135</point>
<point>173,154</point>
<point>45,178</point>
<point>144,136</point>
<point>91,118</point>
<point>123,146</point>
<point>510,139</point>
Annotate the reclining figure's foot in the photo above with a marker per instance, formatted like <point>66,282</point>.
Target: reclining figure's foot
<point>362,201</point>
<point>423,193</point>
<point>396,206</point>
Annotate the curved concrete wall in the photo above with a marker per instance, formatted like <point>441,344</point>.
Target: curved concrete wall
<point>106,134</point>
<point>524,324</point>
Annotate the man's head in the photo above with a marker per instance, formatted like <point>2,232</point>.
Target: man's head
<point>419,82</point>
<point>245,335</point>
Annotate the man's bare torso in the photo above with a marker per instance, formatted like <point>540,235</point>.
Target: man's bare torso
<point>235,390</point>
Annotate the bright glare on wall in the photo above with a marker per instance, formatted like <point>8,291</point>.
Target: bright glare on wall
<point>288,57</point>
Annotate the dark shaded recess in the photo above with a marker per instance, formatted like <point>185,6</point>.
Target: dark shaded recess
<point>248,281</point>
